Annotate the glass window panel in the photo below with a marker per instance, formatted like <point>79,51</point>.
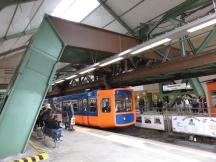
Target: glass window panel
<point>105,105</point>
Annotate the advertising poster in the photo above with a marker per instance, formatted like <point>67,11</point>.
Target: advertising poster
<point>151,121</point>
<point>204,126</point>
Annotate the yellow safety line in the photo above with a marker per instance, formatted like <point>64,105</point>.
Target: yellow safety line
<point>42,156</point>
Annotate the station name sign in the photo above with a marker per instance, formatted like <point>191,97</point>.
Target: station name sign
<point>173,87</point>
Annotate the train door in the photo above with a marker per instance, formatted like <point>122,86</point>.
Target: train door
<point>92,111</point>
<point>85,110</point>
<point>105,107</point>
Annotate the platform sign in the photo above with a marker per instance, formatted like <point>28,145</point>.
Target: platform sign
<point>204,126</point>
<point>151,122</point>
<point>173,87</point>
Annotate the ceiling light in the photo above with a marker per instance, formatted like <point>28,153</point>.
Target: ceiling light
<point>111,61</point>
<point>59,81</point>
<point>86,71</point>
<point>96,64</point>
<point>70,77</point>
<point>75,10</point>
<point>125,52</point>
<point>151,46</point>
<point>201,26</point>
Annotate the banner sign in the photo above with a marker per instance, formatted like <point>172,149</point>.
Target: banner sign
<point>173,87</point>
<point>151,121</point>
<point>204,126</point>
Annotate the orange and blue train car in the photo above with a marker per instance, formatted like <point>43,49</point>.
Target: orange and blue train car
<point>211,87</point>
<point>103,108</point>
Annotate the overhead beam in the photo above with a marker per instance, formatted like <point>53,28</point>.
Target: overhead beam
<point>176,69</point>
<point>117,18</point>
<point>92,38</point>
<point>178,65</point>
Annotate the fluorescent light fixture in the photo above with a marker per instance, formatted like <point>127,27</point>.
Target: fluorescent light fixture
<point>158,43</point>
<point>75,10</point>
<point>125,52</point>
<point>111,61</point>
<point>86,71</point>
<point>201,26</point>
<point>59,81</point>
<point>96,64</point>
<point>70,77</point>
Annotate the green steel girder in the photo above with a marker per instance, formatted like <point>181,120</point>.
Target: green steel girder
<point>185,6</point>
<point>28,89</point>
<point>143,33</point>
<point>176,21</point>
<point>197,86</point>
<point>181,8</point>
<point>115,16</point>
<point>182,47</point>
<point>162,54</point>
<point>190,44</point>
<point>206,41</point>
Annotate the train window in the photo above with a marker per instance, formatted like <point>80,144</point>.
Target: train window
<point>75,105</point>
<point>105,105</point>
<point>66,102</point>
<point>213,98</point>
<point>85,104</point>
<point>80,105</point>
<point>92,105</point>
<point>123,103</point>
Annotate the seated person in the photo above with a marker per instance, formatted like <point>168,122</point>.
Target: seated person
<point>54,127</point>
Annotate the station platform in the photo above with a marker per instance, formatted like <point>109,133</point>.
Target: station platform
<point>94,145</point>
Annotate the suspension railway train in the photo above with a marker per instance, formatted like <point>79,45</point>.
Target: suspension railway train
<point>101,108</point>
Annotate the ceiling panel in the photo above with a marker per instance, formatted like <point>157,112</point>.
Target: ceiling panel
<point>119,8</point>
<point>7,45</point>
<point>200,13</point>
<point>21,41</point>
<point>23,15</point>
<point>148,10</point>
<point>98,18</point>
<point>47,8</point>
<point>116,27</point>
<point>5,18</point>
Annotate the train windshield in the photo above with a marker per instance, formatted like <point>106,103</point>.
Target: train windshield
<point>123,101</point>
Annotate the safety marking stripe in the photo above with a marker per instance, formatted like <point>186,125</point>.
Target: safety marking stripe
<point>42,156</point>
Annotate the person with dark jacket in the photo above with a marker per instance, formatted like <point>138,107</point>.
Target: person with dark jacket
<point>54,127</point>
<point>46,113</point>
<point>69,113</point>
<point>141,105</point>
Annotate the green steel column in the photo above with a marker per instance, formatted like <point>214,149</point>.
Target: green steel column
<point>182,47</point>
<point>161,91</point>
<point>197,86</point>
<point>28,89</point>
<point>207,40</point>
<point>149,100</point>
